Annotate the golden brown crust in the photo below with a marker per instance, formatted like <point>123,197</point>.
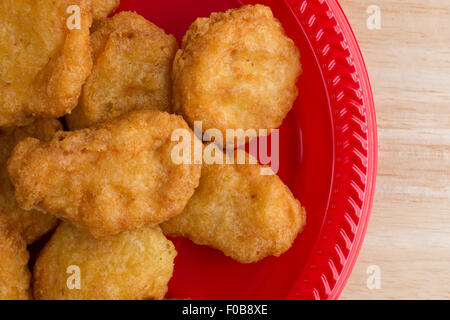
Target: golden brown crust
<point>31,224</point>
<point>116,176</point>
<point>132,265</point>
<point>246,215</point>
<point>14,273</point>
<point>132,67</point>
<point>236,70</point>
<point>43,64</point>
<point>102,8</point>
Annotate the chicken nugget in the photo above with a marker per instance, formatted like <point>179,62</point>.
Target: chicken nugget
<point>14,273</point>
<point>236,70</point>
<point>246,215</point>
<point>132,66</point>
<point>44,58</point>
<point>132,265</point>
<point>102,8</point>
<point>117,176</point>
<point>31,224</point>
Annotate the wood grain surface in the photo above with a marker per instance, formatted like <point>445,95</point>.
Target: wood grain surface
<point>408,238</point>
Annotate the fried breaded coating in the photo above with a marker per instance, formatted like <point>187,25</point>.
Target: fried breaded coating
<point>102,8</point>
<point>236,70</point>
<point>246,215</point>
<point>31,224</point>
<point>132,265</point>
<point>14,273</point>
<point>132,66</point>
<point>43,63</point>
<point>110,178</point>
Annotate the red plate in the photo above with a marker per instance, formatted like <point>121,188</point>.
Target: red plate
<point>328,155</point>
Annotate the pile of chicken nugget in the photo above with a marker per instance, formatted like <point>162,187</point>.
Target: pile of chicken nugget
<point>88,107</point>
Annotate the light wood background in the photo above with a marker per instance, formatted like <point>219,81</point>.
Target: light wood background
<point>408,61</point>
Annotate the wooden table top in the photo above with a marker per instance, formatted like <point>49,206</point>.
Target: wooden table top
<point>408,237</point>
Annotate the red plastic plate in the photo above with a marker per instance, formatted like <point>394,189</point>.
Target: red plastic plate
<point>328,155</point>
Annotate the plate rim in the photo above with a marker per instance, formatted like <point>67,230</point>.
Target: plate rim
<point>327,281</point>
